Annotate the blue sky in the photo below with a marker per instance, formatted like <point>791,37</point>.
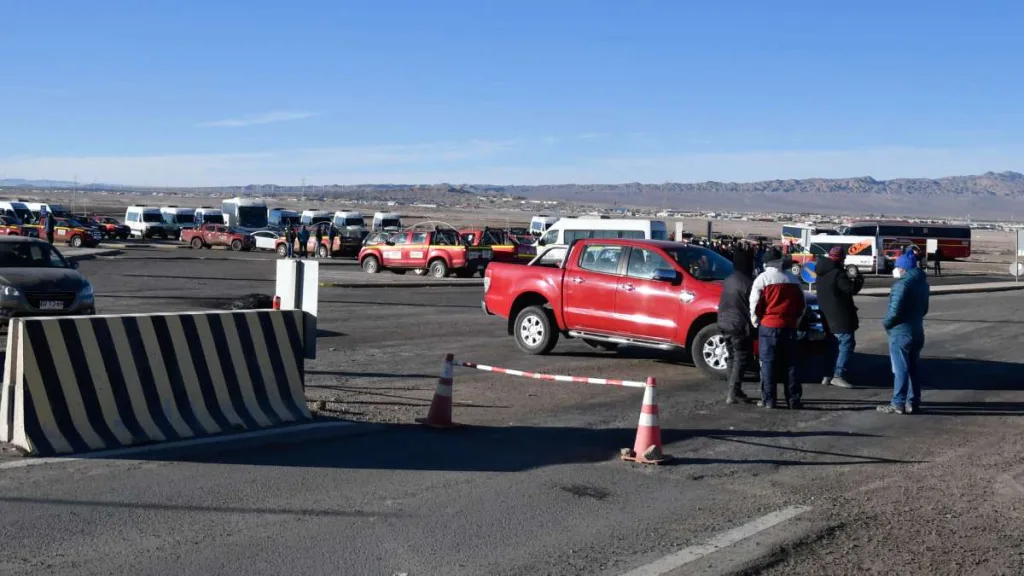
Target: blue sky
<point>229,92</point>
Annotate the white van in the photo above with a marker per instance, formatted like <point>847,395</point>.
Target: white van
<point>314,217</point>
<point>861,251</point>
<point>350,223</point>
<point>145,222</point>
<point>19,210</point>
<point>177,219</point>
<point>208,216</point>
<point>566,230</point>
<point>540,224</point>
<point>386,221</point>
<point>55,209</point>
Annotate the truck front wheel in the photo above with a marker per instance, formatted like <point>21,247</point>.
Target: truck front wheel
<point>438,269</point>
<point>371,265</point>
<point>197,243</point>
<point>535,330</point>
<point>710,353</point>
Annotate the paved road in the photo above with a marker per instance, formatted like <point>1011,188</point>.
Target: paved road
<point>532,486</point>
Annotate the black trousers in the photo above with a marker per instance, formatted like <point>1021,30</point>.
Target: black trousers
<point>741,354</point>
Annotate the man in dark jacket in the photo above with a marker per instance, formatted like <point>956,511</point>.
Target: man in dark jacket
<point>734,321</point>
<point>835,297</point>
<point>904,323</point>
<point>289,239</point>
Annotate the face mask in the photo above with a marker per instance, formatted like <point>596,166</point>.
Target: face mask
<point>897,273</point>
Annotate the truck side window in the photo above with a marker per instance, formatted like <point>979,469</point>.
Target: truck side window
<point>603,259</point>
<point>419,238</point>
<point>643,263</point>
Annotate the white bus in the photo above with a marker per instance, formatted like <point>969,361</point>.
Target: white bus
<point>208,216</point>
<point>350,223</point>
<point>19,210</point>
<point>245,213</point>
<point>314,217</point>
<point>55,209</point>
<point>566,230</point>
<point>177,219</point>
<point>540,224</point>
<point>279,217</point>
<point>386,221</point>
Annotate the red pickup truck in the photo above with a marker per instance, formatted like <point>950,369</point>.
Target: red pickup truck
<point>439,253</point>
<point>209,235</point>
<point>608,292</point>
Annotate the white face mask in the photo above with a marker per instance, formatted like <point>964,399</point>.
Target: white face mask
<point>897,272</point>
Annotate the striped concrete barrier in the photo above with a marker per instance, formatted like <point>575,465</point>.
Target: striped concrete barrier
<point>87,383</point>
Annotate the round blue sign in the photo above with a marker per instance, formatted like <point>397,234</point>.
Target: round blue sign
<point>808,274</point>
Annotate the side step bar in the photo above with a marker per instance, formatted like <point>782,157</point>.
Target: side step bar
<point>623,340</point>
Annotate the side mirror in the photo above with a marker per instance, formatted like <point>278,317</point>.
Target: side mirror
<point>667,275</point>
<point>74,265</point>
<point>541,242</point>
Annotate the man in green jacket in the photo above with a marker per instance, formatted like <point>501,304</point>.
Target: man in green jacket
<point>904,323</point>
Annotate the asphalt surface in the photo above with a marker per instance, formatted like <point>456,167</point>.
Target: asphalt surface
<point>532,485</point>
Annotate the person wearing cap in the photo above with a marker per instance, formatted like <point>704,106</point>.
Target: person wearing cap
<point>734,321</point>
<point>835,298</point>
<point>776,308</point>
<point>904,323</point>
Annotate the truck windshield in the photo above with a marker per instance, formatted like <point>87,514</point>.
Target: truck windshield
<point>154,217</point>
<point>353,221</point>
<point>25,215</point>
<point>390,223</point>
<point>252,216</point>
<point>213,219</point>
<point>701,263</point>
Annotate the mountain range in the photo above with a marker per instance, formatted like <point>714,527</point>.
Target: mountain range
<point>996,195</point>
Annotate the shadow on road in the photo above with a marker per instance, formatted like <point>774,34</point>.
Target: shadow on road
<point>366,374</point>
<point>163,507</point>
<point>190,277</point>
<point>517,448</point>
<point>397,304</point>
<point>875,371</point>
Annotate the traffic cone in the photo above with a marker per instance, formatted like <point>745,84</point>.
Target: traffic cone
<point>647,448</point>
<point>440,414</point>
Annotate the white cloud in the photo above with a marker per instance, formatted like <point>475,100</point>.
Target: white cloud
<point>482,161</point>
<point>265,118</point>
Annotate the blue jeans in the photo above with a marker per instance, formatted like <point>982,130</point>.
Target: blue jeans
<point>905,352</point>
<point>777,349</point>
<point>290,249</point>
<point>843,346</point>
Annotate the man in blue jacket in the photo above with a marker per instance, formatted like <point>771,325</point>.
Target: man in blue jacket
<point>904,323</point>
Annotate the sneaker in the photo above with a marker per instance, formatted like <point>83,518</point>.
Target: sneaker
<point>740,395</point>
<point>839,382</point>
<point>798,405</point>
<point>826,380</point>
<point>889,409</point>
<point>763,404</point>
<point>910,409</point>
<point>731,399</point>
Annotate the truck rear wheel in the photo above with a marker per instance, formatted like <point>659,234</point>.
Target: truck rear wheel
<point>371,265</point>
<point>535,330</point>
<point>438,269</point>
<point>710,353</point>
<point>196,243</point>
<point>236,245</point>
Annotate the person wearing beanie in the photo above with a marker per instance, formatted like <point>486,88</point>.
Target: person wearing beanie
<point>734,321</point>
<point>904,323</point>
<point>835,298</point>
<point>776,307</point>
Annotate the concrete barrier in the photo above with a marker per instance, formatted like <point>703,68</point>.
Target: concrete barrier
<point>87,383</point>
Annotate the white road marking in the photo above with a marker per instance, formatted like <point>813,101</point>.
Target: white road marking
<point>127,452</point>
<point>723,540</point>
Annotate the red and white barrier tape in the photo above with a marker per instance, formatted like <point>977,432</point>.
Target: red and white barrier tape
<point>553,377</point>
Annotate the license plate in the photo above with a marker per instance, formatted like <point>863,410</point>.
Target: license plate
<point>51,305</point>
<point>486,255</point>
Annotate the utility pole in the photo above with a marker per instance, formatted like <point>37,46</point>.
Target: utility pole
<point>303,192</point>
<point>74,193</point>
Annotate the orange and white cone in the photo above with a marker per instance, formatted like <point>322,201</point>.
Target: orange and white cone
<point>440,414</point>
<point>647,448</point>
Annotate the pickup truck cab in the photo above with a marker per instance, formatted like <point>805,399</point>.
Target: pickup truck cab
<point>611,292</point>
<point>10,226</point>
<point>209,235</point>
<point>110,227</point>
<point>76,234</point>
<point>439,252</point>
<point>503,247</point>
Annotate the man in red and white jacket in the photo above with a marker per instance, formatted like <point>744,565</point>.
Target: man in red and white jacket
<point>776,307</point>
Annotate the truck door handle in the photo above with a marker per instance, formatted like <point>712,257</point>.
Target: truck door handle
<point>628,287</point>
<point>577,280</point>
